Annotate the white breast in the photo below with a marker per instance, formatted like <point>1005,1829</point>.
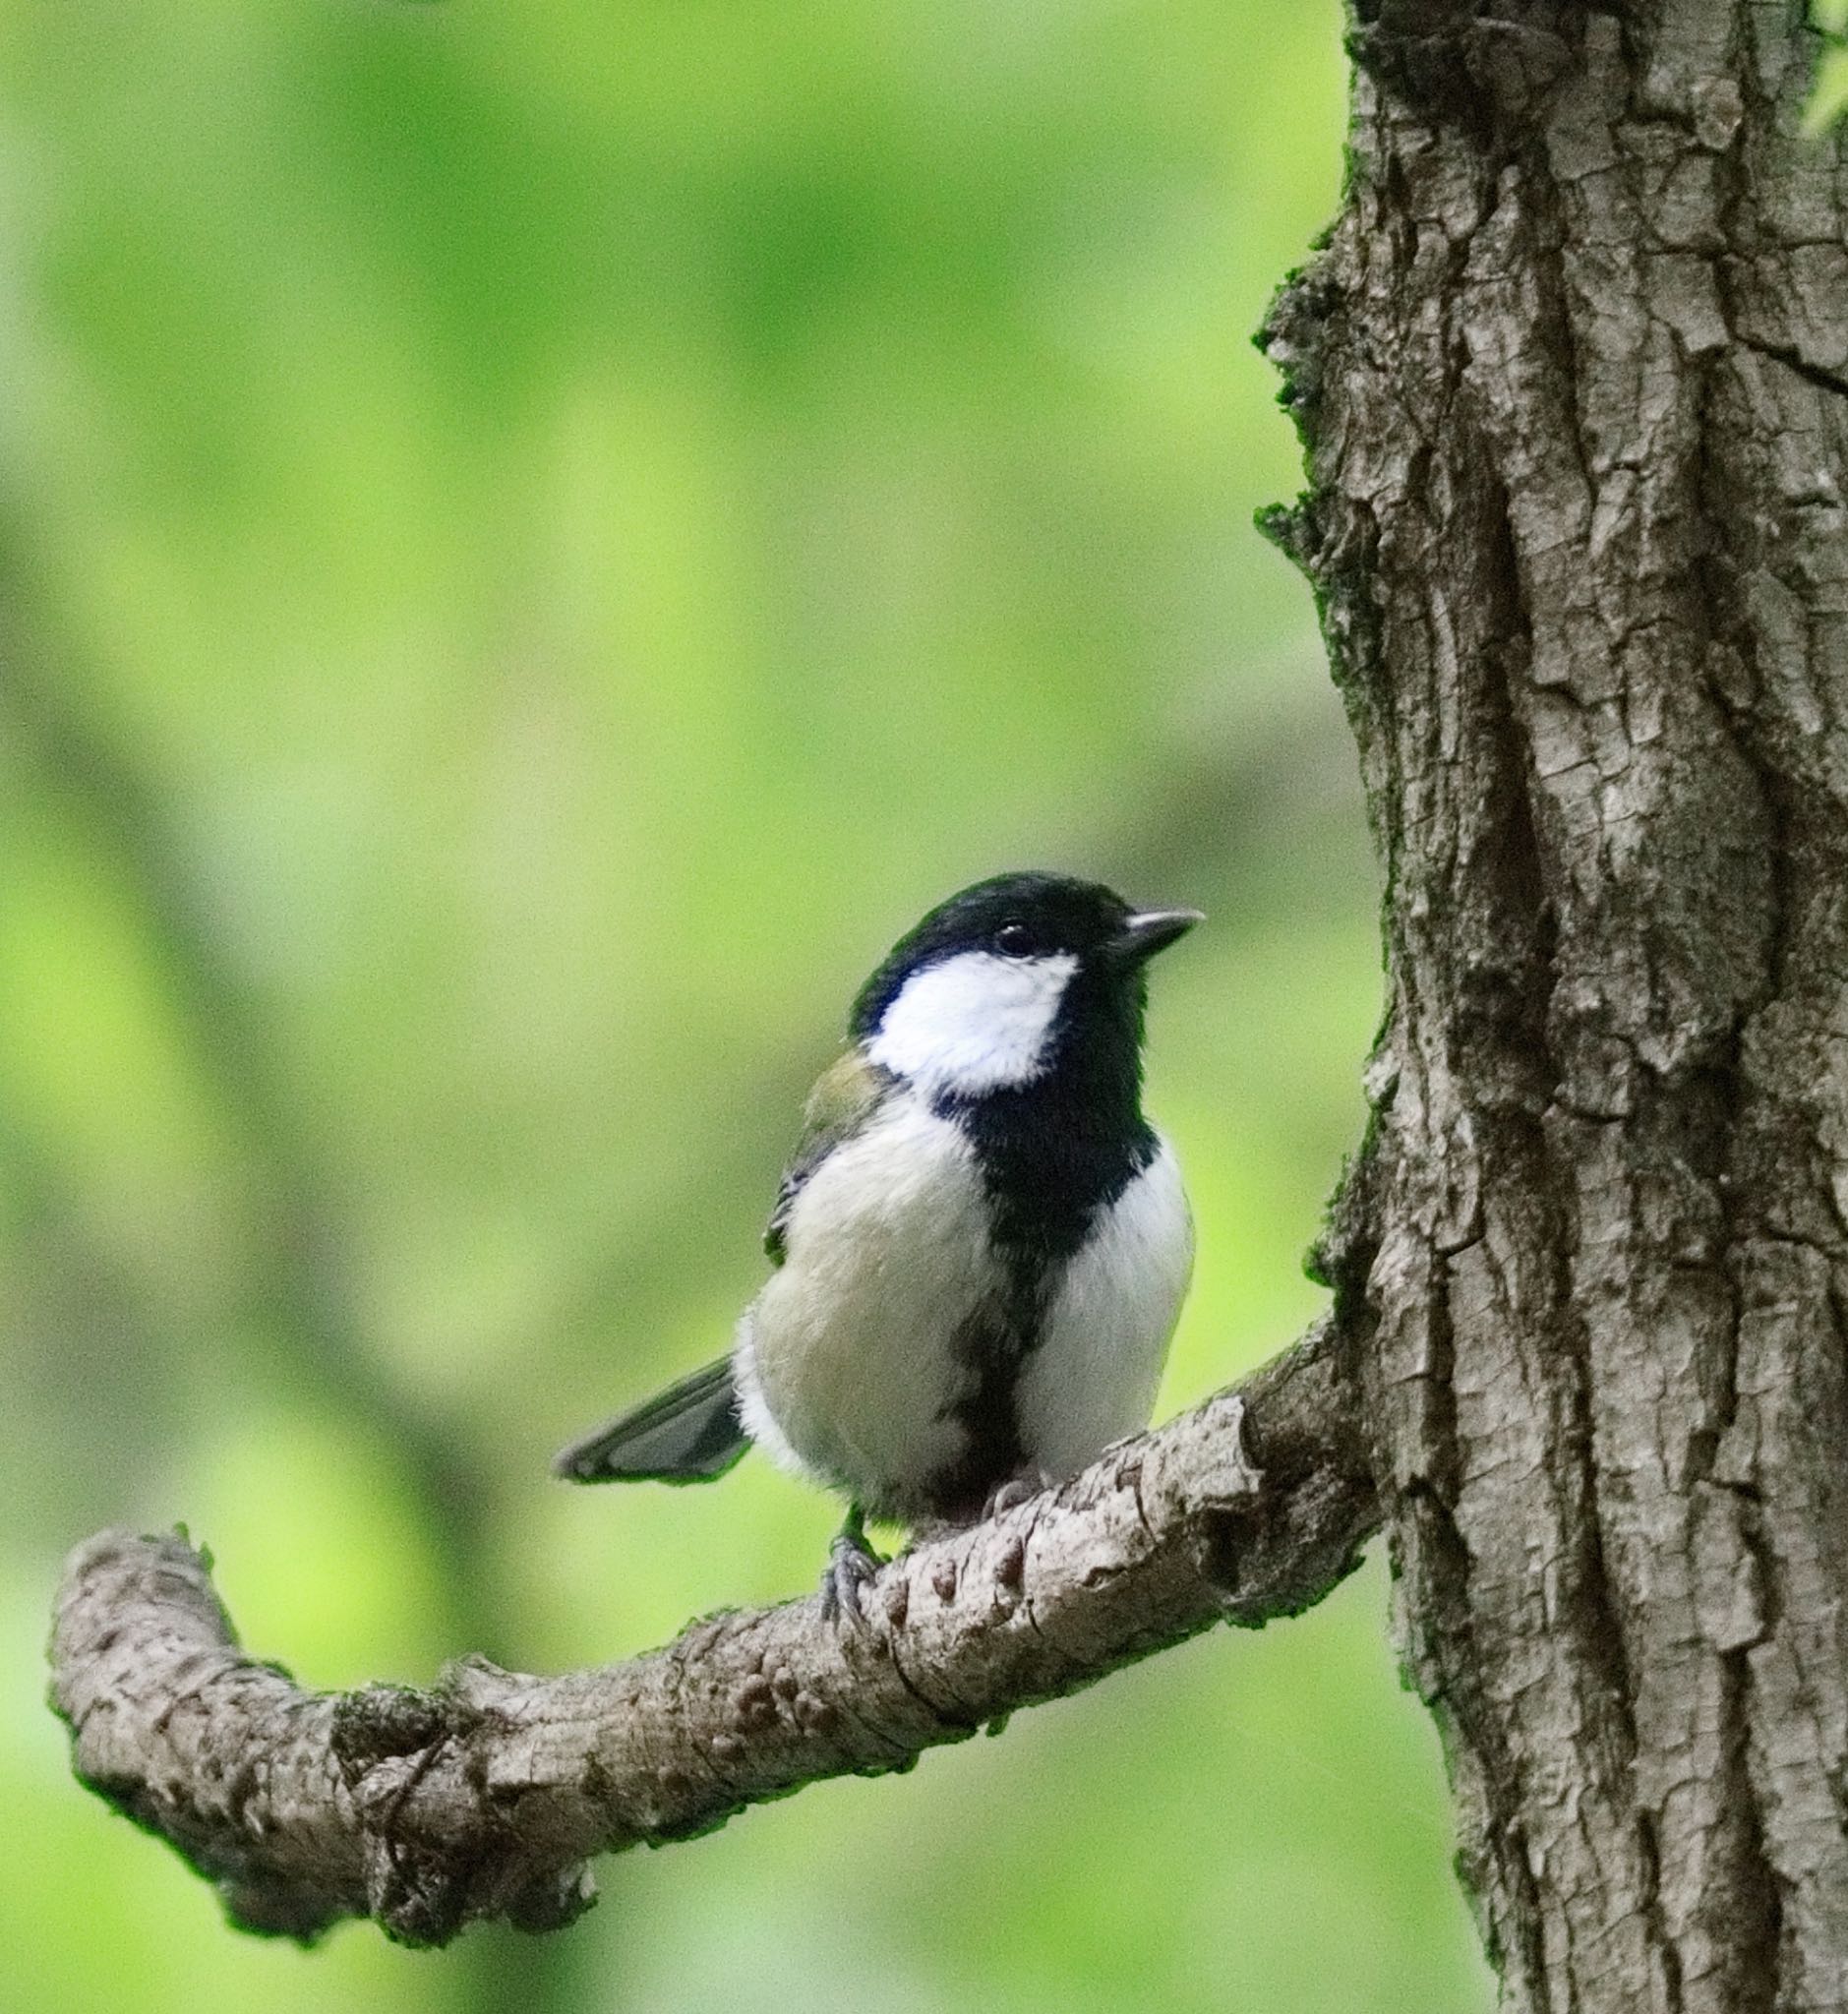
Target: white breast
<point>847,1358</point>
<point>1093,1378</point>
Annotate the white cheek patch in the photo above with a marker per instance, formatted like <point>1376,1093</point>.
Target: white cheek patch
<point>974,1022</point>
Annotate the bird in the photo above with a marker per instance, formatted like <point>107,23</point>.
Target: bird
<point>979,1247</point>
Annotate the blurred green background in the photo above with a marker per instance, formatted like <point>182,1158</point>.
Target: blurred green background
<point>533,542</point>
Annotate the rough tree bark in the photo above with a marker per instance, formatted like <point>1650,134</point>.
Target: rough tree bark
<point>487,1796</point>
<point>1573,374</point>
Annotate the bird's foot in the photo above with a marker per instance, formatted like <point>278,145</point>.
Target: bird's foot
<point>852,1567</point>
<point>1017,1490</point>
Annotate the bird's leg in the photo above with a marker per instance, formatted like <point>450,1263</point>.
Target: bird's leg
<point>1015,1491</point>
<point>852,1563</point>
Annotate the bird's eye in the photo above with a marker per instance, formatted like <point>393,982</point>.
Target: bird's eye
<point>1015,939</point>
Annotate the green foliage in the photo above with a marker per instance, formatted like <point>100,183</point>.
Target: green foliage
<point>536,539</point>
<point>1829,99</point>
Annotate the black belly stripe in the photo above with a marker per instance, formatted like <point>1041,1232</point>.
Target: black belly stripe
<point>1050,1167</point>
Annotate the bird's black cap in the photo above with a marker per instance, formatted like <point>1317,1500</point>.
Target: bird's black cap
<point>1024,915</point>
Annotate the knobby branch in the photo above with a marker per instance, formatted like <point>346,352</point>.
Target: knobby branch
<point>486,1795</point>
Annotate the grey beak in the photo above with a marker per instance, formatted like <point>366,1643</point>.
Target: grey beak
<point>1151,930</point>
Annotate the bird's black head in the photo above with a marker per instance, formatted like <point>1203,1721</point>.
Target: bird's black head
<point>1016,982</point>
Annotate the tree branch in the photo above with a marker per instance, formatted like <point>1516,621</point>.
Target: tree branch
<point>486,1796</point>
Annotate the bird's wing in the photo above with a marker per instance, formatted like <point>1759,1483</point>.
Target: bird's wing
<point>845,1096</point>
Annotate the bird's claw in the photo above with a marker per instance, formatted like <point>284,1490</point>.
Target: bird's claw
<point>1017,1490</point>
<point>851,1565</point>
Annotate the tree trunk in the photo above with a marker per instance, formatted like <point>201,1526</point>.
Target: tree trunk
<point>1573,375</point>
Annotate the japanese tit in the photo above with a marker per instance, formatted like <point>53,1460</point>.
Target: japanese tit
<point>981,1244</point>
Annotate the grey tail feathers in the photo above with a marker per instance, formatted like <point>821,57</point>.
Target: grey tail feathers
<point>690,1433</point>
